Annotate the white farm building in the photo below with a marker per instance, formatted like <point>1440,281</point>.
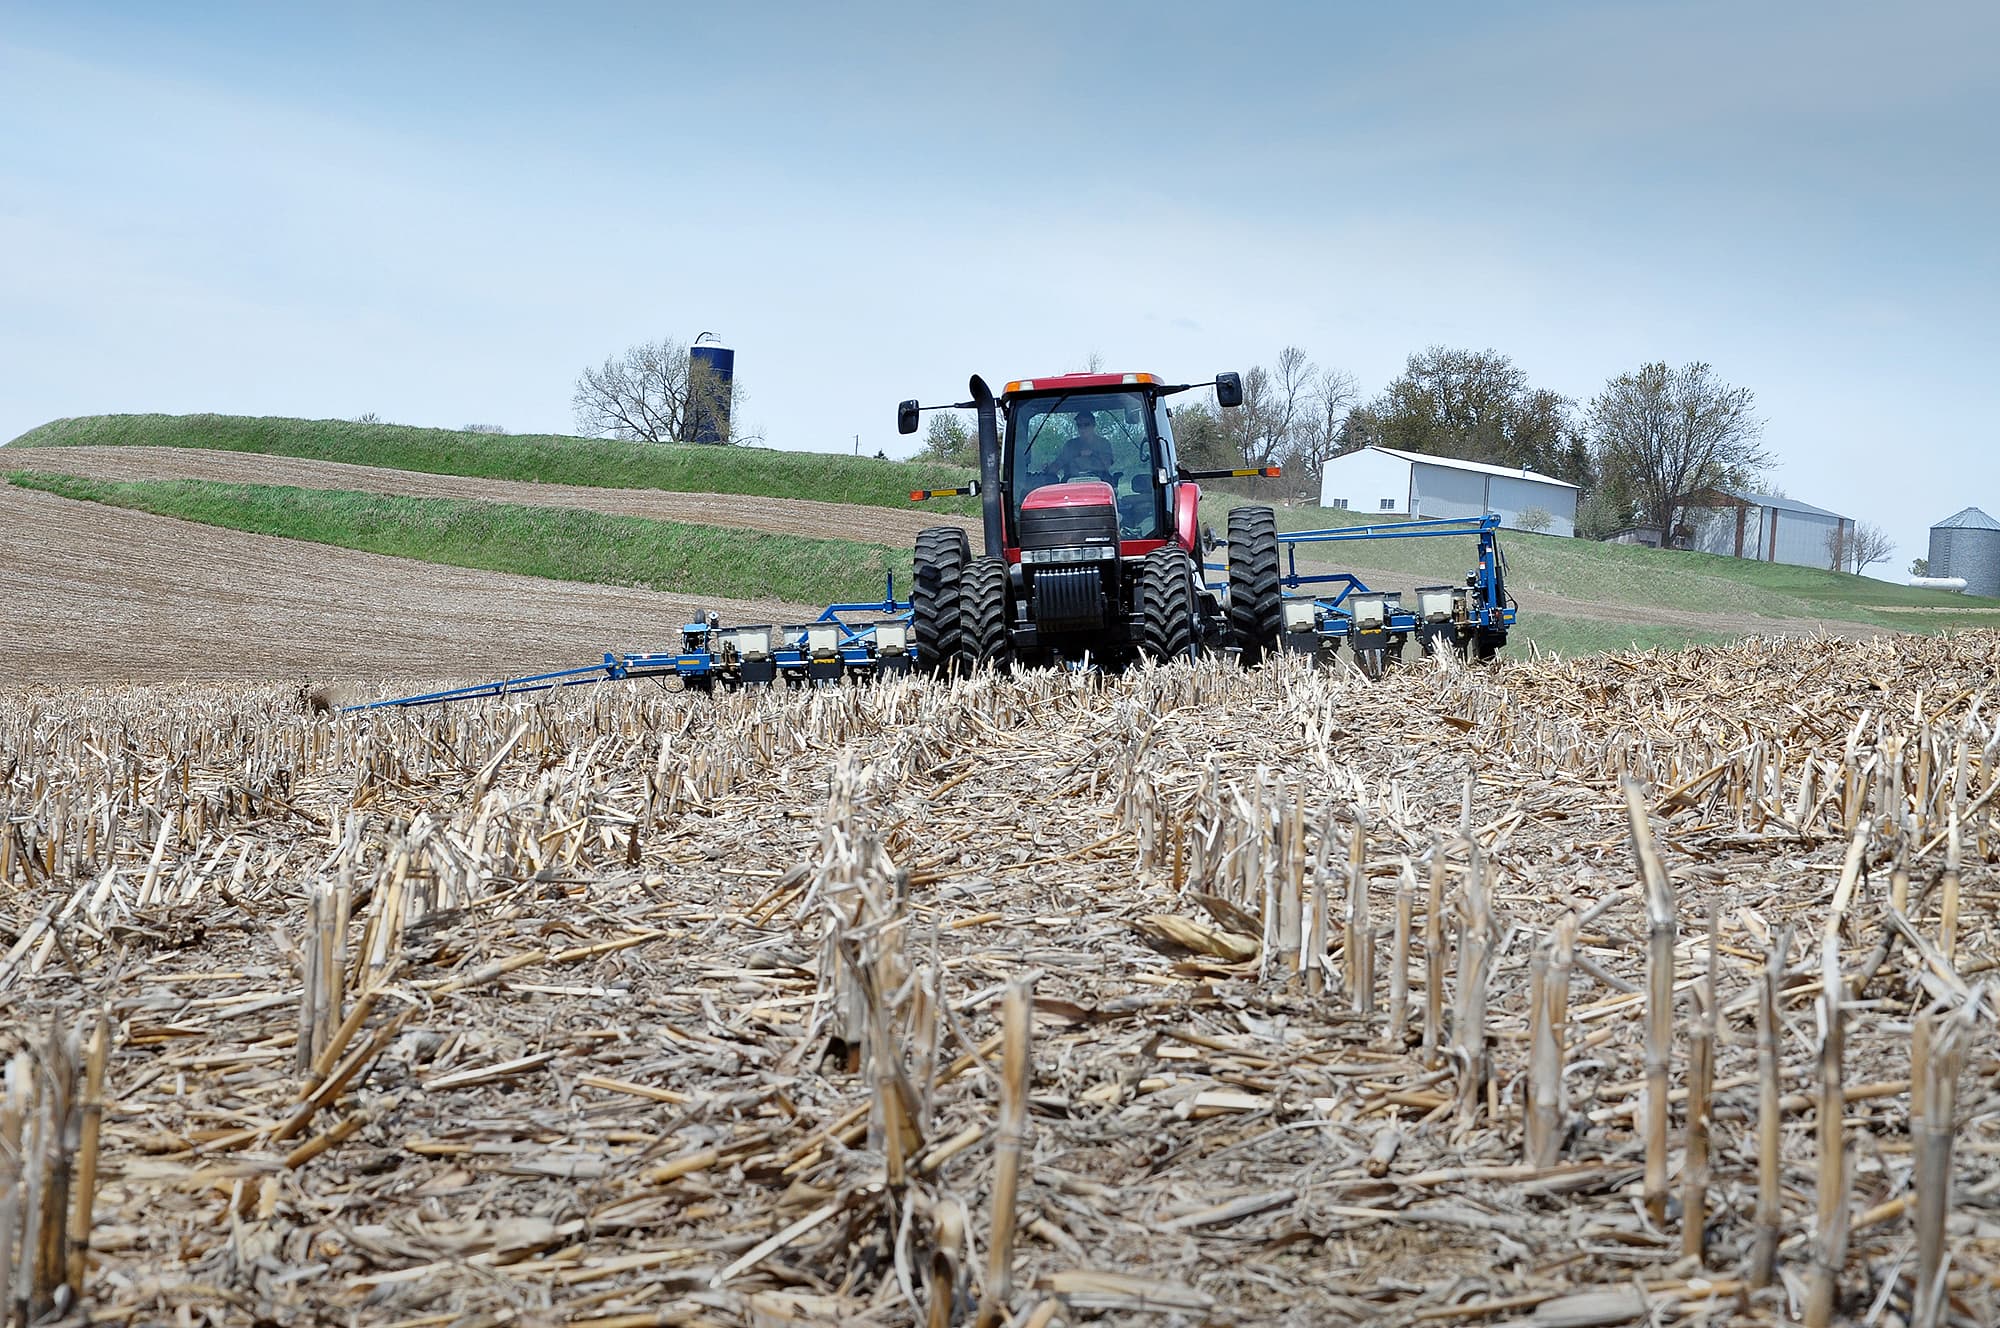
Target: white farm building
<point>1382,480</point>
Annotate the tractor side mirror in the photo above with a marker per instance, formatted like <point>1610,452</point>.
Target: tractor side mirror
<point>1228,390</point>
<point>906,415</point>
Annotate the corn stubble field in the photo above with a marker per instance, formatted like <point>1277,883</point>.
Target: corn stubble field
<point>1637,988</point>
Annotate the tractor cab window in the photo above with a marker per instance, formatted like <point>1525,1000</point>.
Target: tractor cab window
<point>1088,436</point>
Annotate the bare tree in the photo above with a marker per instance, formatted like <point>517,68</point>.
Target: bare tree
<point>1854,548</point>
<point>1871,545</point>
<point>1247,427</point>
<point>1664,434</point>
<point>1321,435</point>
<point>1291,400</point>
<point>1294,414</point>
<point>651,394</point>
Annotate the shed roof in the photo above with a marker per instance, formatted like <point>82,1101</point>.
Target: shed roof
<point>1480,467</point>
<point>1970,519</point>
<point>1778,504</point>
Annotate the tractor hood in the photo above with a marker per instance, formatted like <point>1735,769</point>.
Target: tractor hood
<point>1076,493</point>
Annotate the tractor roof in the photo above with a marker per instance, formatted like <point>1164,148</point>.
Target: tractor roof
<point>1080,382</point>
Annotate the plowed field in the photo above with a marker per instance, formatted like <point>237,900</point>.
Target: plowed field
<point>90,593</point>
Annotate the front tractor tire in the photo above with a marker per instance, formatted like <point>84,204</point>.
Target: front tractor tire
<point>1256,599</point>
<point>1166,605</point>
<point>986,638</point>
<point>937,616</point>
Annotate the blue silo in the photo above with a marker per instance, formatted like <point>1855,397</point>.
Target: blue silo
<point>711,379</point>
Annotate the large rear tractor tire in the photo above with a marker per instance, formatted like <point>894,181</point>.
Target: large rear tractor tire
<point>1256,600</point>
<point>984,630</point>
<point>936,599</point>
<point>1166,602</point>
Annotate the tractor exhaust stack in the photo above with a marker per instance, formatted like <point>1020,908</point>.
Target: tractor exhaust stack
<point>990,497</point>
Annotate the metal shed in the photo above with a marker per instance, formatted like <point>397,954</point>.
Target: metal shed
<point>1386,481</point>
<point>1767,528</point>
<point>1967,544</point>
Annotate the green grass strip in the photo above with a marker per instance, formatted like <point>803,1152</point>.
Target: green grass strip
<point>564,544</point>
<point>535,458</point>
<point>1571,637</point>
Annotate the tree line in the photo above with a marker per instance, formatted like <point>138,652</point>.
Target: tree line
<point>1651,441</point>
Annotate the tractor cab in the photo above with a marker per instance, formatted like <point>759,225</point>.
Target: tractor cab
<point>1090,440</point>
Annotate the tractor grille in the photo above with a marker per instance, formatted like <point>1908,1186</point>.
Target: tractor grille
<point>1069,598</point>
<point>1064,527</point>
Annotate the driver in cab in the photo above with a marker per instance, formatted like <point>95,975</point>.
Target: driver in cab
<point>1088,456</point>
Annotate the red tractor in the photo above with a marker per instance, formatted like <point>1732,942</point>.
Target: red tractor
<point>1093,542</point>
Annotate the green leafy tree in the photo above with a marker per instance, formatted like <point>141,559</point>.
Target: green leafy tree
<point>1360,427</point>
<point>1476,405</point>
<point>1202,438</point>
<point>1602,512</point>
<point>948,438</point>
<point>1920,567</point>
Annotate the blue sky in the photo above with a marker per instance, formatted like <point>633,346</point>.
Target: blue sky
<point>442,213</point>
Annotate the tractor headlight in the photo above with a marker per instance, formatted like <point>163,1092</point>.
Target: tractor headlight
<point>1075,554</point>
<point>823,642</point>
<point>1300,615</point>
<point>891,638</point>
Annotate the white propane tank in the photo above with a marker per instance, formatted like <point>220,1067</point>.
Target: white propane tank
<point>1938,582</point>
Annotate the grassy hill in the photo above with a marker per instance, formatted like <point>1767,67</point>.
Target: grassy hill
<point>534,458</point>
<point>1593,596</point>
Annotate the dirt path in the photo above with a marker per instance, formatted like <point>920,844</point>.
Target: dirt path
<point>97,594</point>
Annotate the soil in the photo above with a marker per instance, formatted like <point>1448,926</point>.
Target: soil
<point>96,594</point>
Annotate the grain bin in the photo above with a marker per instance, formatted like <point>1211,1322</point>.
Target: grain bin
<point>1967,544</point>
<point>711,379</point>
